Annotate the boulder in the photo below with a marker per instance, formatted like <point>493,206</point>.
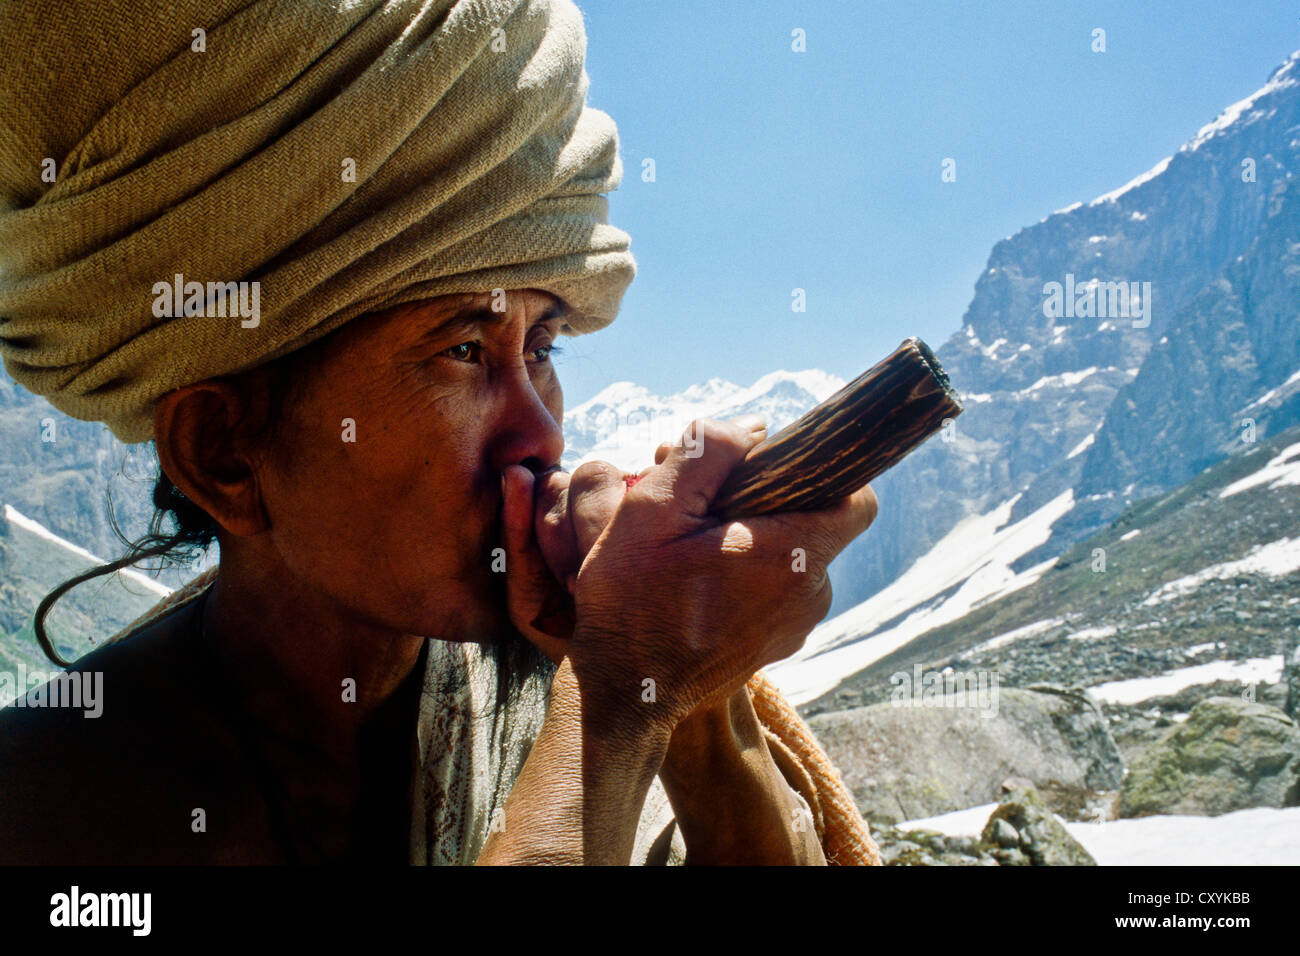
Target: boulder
<point>904,762</point>
<point>1022,831</point>
<point>1291,678</point>
<point>1229,754</point>
<point>929,848</point>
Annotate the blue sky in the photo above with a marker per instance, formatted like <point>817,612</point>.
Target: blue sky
<point>821,170</point>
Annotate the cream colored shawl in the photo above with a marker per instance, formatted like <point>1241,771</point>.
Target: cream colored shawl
<point>470,751</point>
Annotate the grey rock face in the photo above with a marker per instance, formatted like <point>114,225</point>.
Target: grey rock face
<point>1162,401</point>
<point>1043,841</point>
<point>1291,678</point>
<point>903,762</point>
<point>1228,755</point>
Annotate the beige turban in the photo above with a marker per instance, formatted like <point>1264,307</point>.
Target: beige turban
<point>192,188</point>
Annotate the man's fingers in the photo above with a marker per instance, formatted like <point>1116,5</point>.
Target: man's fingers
<point>516,508</point>
<point>595,490</point>
<point>534,602</point>
<point>552,525</point>
<point>830,530</point>
<point>694,470</point>
<point>751,423</point>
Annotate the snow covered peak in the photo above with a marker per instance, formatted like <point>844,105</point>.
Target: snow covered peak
<point>712,390</point>
<point>1283,77</point>
<point>625,422</point>
<point>1243,111</point>
<point>617,394</point>
<point>1133,183</point>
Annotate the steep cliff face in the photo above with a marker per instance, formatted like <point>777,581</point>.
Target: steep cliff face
<point>1109,348</point>
<point>59,471</point>
<point>1225,375</point>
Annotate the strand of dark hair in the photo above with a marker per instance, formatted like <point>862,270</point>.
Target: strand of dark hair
<point>194,531</point>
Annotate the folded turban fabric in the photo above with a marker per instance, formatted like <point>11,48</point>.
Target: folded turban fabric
<point>346,156</point>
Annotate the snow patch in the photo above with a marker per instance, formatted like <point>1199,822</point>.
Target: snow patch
<point>1272,393</point>
<point>17,518</point>
<point>1255,670</point>
<point>1275,560</point>
<point>1133,183</point>
<point>1083,446</point>
<point>1130,535</point>
<point>968,822</point>
<point>1279,81</point>
<point>1261,836</point>
<point>1094,633</point>
<point>1064,380</point>
<point>1281,470</point>
<point>974,558</point>
<point>992,350</point>
<point>1010,637</point>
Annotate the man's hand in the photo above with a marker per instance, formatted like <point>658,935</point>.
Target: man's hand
<point>550,523</point>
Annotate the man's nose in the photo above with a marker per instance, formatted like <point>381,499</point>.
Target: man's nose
<point>527,434</point>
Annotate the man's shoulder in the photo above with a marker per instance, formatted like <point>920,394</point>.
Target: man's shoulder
<point>112,689</point>
<point>98,748</point>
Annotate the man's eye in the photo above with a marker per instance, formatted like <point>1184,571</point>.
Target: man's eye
<point>464,352</point>
<point>544,353</point>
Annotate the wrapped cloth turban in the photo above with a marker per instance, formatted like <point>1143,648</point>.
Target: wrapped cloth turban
<point>346,156</point>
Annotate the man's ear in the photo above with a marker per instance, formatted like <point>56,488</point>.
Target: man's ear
<point>196,430</point>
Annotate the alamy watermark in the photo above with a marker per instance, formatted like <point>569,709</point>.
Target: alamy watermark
<point>78,690</point>
<point>75,908</point>
<point>214,300</point>
<point>977,690</point>
<point>1097,299</point>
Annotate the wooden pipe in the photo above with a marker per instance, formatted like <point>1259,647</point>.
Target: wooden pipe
<point>862,430</point>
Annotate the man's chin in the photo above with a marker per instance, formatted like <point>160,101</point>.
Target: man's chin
<point>485,610</point>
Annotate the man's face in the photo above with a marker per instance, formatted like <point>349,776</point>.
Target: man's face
<point>384,492</point>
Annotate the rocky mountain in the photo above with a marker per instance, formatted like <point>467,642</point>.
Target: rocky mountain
<point>1152,670</point>
<point>1114,348</point>
<point>60,472</point>
<point>1194,586</point>
<point>32,560</point>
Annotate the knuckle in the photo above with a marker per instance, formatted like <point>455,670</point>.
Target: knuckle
<point>708,432</point>
<point>870,506</point>
<point>823,598</point>
<point>594,475</point>
<point>789,643</point>
<point>818,541</point>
